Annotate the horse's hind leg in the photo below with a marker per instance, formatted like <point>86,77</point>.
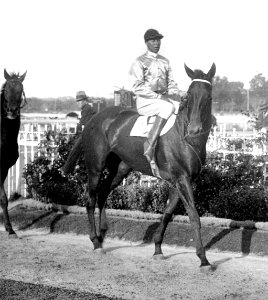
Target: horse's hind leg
<point>117,172</point>
<point>4,206</point>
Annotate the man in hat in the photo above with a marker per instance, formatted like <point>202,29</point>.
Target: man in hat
<point>153,84</point>
<point>87,110</point>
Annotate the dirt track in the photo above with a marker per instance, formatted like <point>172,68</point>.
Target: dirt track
<point>127,270</point>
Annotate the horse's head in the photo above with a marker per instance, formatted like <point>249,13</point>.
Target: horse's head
<point>12,95</point>
<point>199,100</point>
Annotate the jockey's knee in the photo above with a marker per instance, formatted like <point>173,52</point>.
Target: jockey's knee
<point>167,110</point>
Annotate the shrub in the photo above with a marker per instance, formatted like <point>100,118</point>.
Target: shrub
<point>228,188</point>
<point>242,203</point>
<point>44,179</point>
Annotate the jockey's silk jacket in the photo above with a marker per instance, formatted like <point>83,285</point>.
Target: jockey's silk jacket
<point>151,76</point>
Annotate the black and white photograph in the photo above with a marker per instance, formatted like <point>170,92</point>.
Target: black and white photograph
<point>134,150</point>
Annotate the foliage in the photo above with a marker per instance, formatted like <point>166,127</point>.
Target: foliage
<point>230,187</point>
<point>227,188</point>
<point>259,87</point>
<point>241,203</point>
<point>43,176</point>
<point>229,96</point>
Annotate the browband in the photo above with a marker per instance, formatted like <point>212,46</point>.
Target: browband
<point>203,80</point>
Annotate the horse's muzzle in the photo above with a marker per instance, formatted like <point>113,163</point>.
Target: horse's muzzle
<point>12,114</point>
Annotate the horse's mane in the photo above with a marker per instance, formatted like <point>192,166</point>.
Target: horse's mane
<point>2,90</point>
<point>13,75</point>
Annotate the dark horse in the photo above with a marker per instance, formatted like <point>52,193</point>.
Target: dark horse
<point>12,98</point>
<point>180,154</point>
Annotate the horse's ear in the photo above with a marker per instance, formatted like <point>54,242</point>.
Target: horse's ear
<point>22,77</point>
<point>189,72</point>
<point>6,75</point>
<point>212,71</point>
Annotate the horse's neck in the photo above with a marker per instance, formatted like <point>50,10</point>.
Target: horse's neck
<point>10,128</point>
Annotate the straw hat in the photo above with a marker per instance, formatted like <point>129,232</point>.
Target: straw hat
<point>81,96</point>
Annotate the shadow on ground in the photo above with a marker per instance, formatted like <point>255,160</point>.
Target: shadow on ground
<point>244,241</point>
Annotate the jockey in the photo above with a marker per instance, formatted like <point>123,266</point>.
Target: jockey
<point>153,84</point>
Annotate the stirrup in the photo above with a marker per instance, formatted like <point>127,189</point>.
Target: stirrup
<point>154,168</point>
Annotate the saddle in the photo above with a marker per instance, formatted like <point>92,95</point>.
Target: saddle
<point>143,124</point>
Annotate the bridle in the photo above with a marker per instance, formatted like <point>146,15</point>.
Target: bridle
<point>187,104</point>
<point>199,134</point>
<point>202,80</point>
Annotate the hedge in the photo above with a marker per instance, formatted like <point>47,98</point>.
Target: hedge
<point>226,188</point>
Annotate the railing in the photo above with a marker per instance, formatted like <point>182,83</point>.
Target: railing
<point>30,135</point>
<point>219,138</point>
<point>33,131</point>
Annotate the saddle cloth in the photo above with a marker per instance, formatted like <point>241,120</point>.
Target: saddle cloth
<point>143,124</point>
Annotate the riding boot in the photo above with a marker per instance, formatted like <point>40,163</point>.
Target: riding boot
<point>149,145</point>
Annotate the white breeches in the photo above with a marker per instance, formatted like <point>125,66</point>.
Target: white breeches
<point>152,107</point>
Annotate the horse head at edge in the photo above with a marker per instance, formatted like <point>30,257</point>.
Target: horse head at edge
<point>199,101</point>
<point>12,95</point>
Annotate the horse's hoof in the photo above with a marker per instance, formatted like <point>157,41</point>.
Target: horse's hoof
<point>99,251</point>
<point>13,236</point>
<point>207,269</point>
<point>158,257</point>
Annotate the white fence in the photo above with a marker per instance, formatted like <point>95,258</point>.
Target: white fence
<point>33,131</point>
<point>30,135</point>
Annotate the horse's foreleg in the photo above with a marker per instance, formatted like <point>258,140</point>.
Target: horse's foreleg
<point>4,206</point>
<point>103,225</point>
<point>159,234</point>
<point>186,194</point>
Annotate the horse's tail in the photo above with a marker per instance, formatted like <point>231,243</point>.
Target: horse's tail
<point>73,157</point>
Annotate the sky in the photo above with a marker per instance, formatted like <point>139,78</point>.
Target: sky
<point>71,45</point>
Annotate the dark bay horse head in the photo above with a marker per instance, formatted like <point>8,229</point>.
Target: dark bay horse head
<point>12,95</point>
<point>199,101</point>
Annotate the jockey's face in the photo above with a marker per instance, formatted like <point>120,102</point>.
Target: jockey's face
<point>153,45</point>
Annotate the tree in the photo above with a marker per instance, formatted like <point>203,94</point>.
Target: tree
<point>258,90</point>
<point>229,96</point>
